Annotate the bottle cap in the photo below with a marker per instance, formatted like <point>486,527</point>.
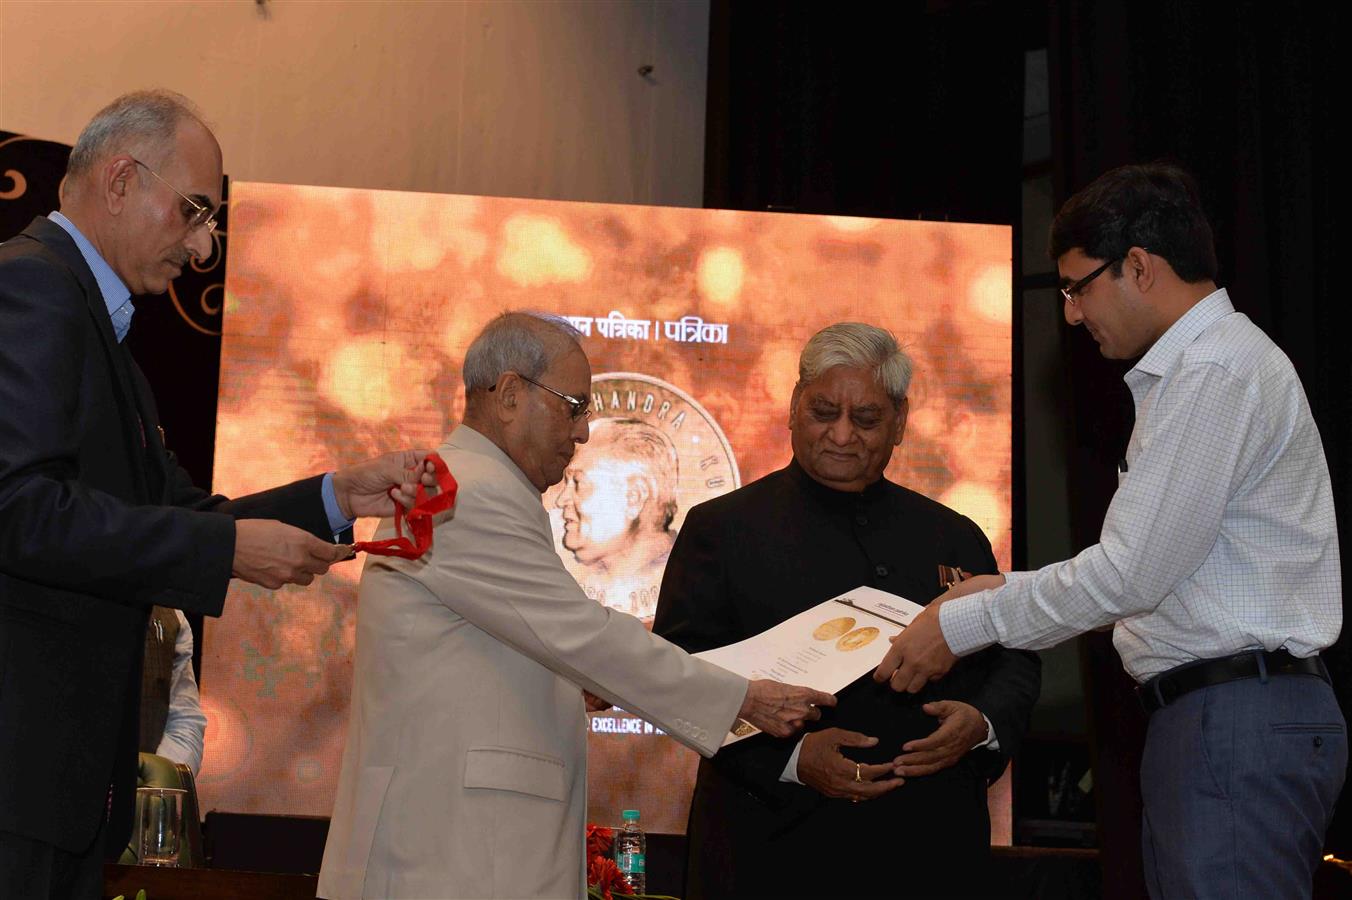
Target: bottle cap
<point>629,814</point>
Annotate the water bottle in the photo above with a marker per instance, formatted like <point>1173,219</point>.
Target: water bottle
<point>631,849</point>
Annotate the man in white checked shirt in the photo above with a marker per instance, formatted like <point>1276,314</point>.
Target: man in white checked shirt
<point>1217,565</point>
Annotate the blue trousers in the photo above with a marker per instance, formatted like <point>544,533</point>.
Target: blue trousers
<point>1238,782</point>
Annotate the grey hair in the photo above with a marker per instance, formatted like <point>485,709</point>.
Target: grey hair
<point>859,346</point>
<point>152,116</point>
<point>518,341</point>
<point>641,442</point>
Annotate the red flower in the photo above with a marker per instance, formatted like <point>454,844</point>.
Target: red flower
<point>605,876</point>
<point>599,840</point>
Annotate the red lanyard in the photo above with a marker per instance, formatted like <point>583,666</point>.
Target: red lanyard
<point>419,517</point>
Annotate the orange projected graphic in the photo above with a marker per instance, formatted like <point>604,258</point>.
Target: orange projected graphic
<point>347,316</point>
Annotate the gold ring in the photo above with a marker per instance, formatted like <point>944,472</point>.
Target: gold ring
<point>857,776</point>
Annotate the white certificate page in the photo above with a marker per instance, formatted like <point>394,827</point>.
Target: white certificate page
<point>825,647</point>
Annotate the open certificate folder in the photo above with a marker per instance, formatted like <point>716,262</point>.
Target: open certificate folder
<point>826,647</point>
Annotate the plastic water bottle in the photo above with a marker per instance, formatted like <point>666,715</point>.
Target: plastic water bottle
<point>631,849</point>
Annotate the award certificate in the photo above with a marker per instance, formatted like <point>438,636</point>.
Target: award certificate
<point>825,647</point>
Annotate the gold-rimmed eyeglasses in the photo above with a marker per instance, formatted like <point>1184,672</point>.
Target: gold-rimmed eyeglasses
<point>195,215</point>
<point>578,407</point>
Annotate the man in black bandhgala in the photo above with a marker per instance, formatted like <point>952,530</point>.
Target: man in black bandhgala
<point>829,815</point>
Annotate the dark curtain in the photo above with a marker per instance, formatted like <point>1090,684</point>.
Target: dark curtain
<point>1244,95</point>
<point>908,110</point>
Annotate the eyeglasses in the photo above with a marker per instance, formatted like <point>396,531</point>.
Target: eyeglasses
<point>579,407</point>
<point>1071,293</point>
<point>200,215</point>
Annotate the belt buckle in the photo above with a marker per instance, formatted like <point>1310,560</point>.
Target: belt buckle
<point>1141,698</point>
<point>1151,695</point>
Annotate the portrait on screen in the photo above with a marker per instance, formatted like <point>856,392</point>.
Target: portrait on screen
<point>347,314</point>
<point>621,500</point>
<point>617,503</point>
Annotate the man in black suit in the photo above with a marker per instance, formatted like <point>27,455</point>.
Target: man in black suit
<point>827,816</point>
<point>97,520</point>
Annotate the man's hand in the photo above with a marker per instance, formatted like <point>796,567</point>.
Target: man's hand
<point>595,703</point>
<point>822,767</point>
<point>920,654</point>
<point>271,553</point>
<point>961,727</point>
<point>780,709</point>
<point>371,488</point>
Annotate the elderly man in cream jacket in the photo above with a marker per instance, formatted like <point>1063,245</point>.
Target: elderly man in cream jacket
<point>465,770</point>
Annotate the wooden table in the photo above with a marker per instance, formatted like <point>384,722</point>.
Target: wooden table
<point>224,884</point>
<point>205,884</point>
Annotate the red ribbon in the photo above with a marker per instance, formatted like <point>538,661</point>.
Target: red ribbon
<point>419,517</point>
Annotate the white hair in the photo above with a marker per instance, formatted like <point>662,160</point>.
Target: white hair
<point>638,441</point>
<point>859,346</point>
<point>141,116</point>
<point>519,341</point>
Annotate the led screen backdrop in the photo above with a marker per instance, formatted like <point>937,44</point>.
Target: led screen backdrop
<point>347,316</point>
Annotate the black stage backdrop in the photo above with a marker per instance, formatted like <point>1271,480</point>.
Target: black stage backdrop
<point>913,110</point>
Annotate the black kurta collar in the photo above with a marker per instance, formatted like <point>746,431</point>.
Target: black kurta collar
<point>830,498</point>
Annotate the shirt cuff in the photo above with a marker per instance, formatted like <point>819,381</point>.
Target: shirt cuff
<point>966,623</point>
<point>790,773</point>
<point>991,742</point>
<point>338,523</point>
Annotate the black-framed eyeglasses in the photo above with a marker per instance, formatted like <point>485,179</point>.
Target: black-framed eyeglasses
<point>1071,293</point>
<point>578,407</point>
<point>200,215</point>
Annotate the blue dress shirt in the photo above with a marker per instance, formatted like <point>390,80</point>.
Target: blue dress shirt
<point>115,293</point>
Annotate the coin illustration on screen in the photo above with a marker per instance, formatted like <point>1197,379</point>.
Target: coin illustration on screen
<point>653,453</point>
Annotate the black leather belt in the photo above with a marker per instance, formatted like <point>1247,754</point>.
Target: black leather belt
<point>1167,687</point>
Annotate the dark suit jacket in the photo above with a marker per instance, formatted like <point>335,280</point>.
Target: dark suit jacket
<point>747,561</point>
<point>97,523</point>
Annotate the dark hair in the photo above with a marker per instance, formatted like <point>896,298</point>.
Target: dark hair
<point>1154,206</point>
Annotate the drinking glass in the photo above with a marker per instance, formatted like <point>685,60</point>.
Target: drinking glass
<point>159,822</point>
